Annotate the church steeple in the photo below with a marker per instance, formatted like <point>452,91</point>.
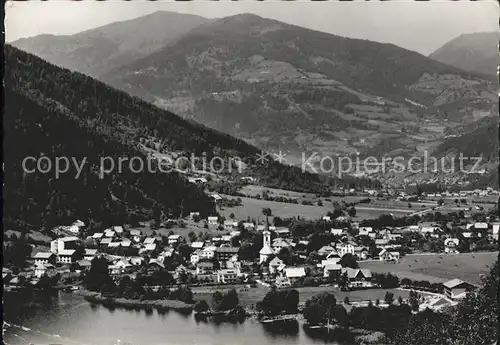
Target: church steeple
<point>266,250</point>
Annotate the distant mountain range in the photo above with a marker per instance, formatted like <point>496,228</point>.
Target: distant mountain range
<point>96,51</point>
<point>475,52</point>
<point>280,86</point>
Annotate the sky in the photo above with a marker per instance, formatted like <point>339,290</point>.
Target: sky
<point>418,26</point>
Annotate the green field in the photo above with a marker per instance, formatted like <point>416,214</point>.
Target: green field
<point>437,268</point>
<point>253,208</point>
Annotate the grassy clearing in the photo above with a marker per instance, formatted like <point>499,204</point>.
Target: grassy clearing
<point>437,268</point>
<point>253,208</point>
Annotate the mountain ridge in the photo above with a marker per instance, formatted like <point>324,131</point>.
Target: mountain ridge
<point>476,52</point>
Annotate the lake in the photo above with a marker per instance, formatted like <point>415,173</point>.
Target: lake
<point>69,319</point>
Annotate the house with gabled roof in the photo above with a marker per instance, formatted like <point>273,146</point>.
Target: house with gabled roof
<point>294,273</point>
<point>90,254</point>
<point>457,289</point>
<point>40,269</point>
<point>97,235</point>
<point>358,277</point>
<point>42,258</point>
<point>331,268</point>
<point>274,264</point>
<point>450,245</point>
<point>337,232</point>
<point>173,239</point>
<point>105,242</point>
<point>197,245</point>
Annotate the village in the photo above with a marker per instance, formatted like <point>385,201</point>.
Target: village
<point>326,254</point>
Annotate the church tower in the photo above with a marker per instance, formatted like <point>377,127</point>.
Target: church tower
<point>266,250</point>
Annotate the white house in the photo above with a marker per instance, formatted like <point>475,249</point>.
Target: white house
<point>97,235</point>
<point>76,227</point>
<point>173,239</point>
<point>365,230</point>
<point>294,273</point>
<point>494,231</point>
<point>230,225</point>
<point>274,264</point>
<point>41,269</point>
<point>204,267</point>
<point>248,226</point>
<point>325,250</point>
<point>197,245</point>
<point>194,258</point>
<point>66,256</point>
<point>337,232</point>
<point>109,233</point>
<point>331,261</point>
<point>387,256</point>
<point>428,227</point>
<point>279,243</point>
<point>89,254</point>
<point>456,289</point>
<point>42,258</point>
<point>481,226</point>
<point>208,252</point>
<point>346,248</point>
<point>60,244</point>
<point>331,268</point>
<point>213,220</point>
<point>227,276</point>
<point>450,245</point>
<point>118,229</point>
<point>326,218</point>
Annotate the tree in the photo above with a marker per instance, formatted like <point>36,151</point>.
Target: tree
<point>98,275</point>
<point>319,309</point>
<point>343,281</point>
<point>276,302</point>
<point>413,300</point>
<point>346,300</point>
<point>351,212</point>
<point>377,302</point>
<point>192,236</point>
<point>285,255</point>
<point>341,316</point>
<point>348,260</point>
<point>267,212</point>
<point>389,298</point>
<point>225,301</point>
<point>201,306</point>
<point>400,300</point>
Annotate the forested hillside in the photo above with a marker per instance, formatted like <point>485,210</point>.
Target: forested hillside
<point>56,112</point>
<point>35,127</point>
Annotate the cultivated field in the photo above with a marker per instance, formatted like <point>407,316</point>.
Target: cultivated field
<point>253,208</point>
<point>437,268</point>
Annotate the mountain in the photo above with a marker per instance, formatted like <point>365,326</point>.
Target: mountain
<point>284,87</point>
<point>281,86</point>
<point>95,51</point>
<point>479,145</point>
<point>481,141</point>
<point>54,112</point>
<point>475,52</point>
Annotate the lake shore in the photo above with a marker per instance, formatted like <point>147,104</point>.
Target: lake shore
<point>97,298</point>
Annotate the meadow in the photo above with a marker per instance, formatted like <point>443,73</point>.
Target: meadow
<point>437,268</point>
